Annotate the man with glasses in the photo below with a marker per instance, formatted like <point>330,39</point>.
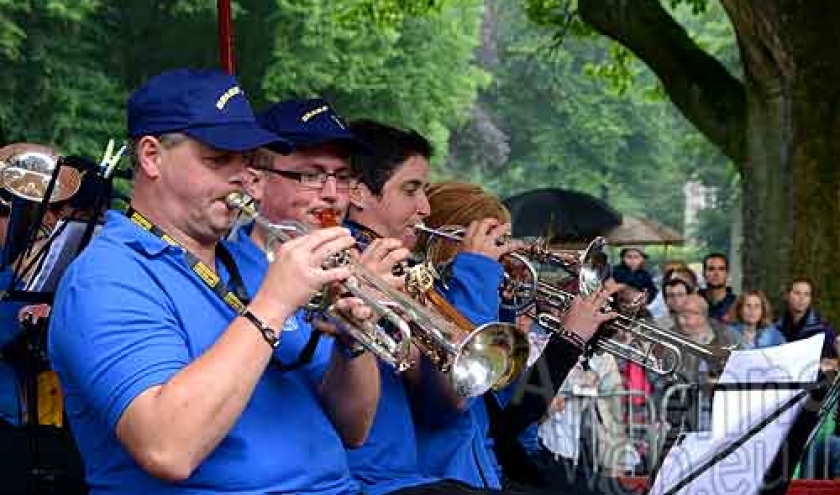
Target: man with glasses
<point>311,185</point>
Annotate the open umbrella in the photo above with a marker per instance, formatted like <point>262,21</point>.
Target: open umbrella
<point>566,216</point>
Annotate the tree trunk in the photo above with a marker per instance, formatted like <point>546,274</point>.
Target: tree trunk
<point>790,196</point>
<point>780,126</point>
<point>791,184</point>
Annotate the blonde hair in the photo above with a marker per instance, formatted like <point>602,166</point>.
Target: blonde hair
<point>738,308</point>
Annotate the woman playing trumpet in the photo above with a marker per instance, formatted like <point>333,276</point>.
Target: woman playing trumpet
<point>499,415</point>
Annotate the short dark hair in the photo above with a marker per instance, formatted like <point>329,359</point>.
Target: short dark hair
<point>675,282</point>
<point>802,280</point>
<point>390,146</point>
<point>677,272</point>
<point>716,255</point>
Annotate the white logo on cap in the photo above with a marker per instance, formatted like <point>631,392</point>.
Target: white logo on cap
<point>223,100</point>
<point>313,113</point>
<point>338,121</point>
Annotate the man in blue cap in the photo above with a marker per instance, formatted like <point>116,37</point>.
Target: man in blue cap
<point>162,351</point>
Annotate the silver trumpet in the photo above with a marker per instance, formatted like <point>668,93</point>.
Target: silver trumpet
<point>521,281</point>
<point>474,359</point>
<point>389,338</point>
<point>626,336</point>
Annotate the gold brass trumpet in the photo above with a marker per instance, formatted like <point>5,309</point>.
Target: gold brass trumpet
<point>476,358</point>
<point>389,338</point>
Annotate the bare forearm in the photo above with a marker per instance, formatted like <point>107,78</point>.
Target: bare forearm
<point>350,394</point>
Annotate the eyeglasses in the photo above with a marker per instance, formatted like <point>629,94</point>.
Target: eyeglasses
<point>316,179</point>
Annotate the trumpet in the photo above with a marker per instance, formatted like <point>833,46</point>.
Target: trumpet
<point>626,336</point>
<point>520,286</point>
<point>389,339</point>
<point>475,359</point>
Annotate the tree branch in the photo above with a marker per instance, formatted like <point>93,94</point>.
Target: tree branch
<point>700,86</point>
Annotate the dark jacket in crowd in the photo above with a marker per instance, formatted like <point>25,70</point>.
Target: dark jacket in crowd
<point>638,279</point>
<point>811,324</point>
<point>718,310</point>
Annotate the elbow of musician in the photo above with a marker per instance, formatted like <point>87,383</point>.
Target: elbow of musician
<point>170,464</point>
<point>356,438</point>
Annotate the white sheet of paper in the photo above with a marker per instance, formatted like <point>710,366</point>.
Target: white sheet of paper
<point>735,412</point>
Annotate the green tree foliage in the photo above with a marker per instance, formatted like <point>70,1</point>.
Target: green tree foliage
<point>568,125</point>
<point>621,138</point>
<point>581,114</point>
<point>57,89</point>
<point>414,71</point>
<point>70,65</point>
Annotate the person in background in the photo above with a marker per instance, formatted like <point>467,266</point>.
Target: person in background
<point>631,272</point>
<point>695,323</point>
<point>719,296</point>
<point>676,292</point>
<point>752,319</point>
<point>801,320</point>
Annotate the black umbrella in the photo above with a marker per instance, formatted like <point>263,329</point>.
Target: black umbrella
<point>569,216</point>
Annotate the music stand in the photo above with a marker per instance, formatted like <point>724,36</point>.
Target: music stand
<point>44,268</point>
<point>774,475</point>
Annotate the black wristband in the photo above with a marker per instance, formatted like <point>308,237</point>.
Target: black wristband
<point>350,350</point>
<point>268,334</point>
<point>573,338</point>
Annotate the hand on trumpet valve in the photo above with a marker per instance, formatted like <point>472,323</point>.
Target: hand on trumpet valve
<point>587,313</point>
<point>298,271</point>
<point>490,238</point>
<point>352,308</point>
<point>381,258</point>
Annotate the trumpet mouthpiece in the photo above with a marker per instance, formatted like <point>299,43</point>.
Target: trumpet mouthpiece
<point>240,201</point>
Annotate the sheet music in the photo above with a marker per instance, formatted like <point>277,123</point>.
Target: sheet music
<point>734,412</point>
<point>65,241</point>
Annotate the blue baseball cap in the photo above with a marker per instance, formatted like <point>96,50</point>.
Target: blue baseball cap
<point>206,105</point>
<point>307,123</point>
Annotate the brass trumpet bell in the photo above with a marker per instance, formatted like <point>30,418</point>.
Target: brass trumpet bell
<point>494,353</point>
<point>27,175</point>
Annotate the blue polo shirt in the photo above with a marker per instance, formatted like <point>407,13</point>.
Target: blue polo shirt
<point>129,314</point>
<point>387,461</point>
<point>460,448</point>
